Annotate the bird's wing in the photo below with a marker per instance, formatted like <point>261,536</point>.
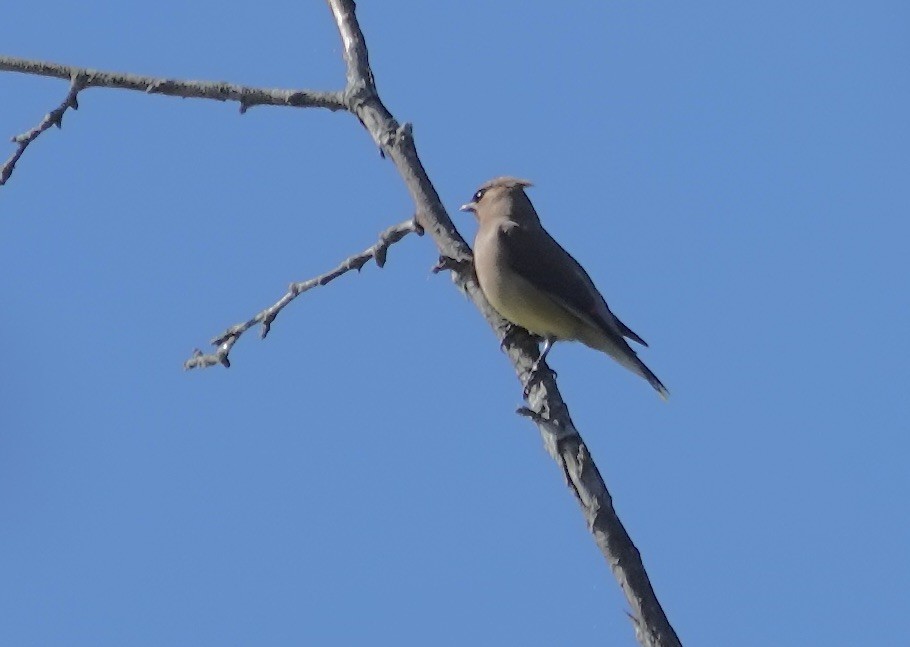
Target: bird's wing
<point>539,259</point>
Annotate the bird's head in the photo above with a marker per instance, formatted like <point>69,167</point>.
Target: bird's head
<point>501,197</point>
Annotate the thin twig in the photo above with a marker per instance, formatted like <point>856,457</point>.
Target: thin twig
<point>53,118</point>
<point>226,340</point>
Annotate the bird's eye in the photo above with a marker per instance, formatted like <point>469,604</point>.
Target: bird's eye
<point>479,195</point>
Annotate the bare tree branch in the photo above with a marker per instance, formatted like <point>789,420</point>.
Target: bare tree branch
<point>546,405</point>
<point>219,91</point>
<point>226,340</point>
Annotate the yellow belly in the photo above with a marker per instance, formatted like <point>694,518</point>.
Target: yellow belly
<point>521,303</point>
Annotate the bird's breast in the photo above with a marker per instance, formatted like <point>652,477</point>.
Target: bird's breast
<point>515,297</point>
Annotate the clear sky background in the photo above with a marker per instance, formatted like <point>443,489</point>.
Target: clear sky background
<point>733,175</point>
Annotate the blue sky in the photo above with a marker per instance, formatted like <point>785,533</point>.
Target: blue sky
<point>734,177</point>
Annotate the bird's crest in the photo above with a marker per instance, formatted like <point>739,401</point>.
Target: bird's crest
<point>507,182</point>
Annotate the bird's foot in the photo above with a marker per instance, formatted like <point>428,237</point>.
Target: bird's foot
<point>536,368</point>
<point>536,375</point>
<point>536,371</point>
<point>511,331</point>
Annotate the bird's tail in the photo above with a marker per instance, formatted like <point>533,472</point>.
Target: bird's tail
<point>628,358</point>
<point>653,380</point>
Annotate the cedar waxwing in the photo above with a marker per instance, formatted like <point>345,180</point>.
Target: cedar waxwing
<point>534,283</point>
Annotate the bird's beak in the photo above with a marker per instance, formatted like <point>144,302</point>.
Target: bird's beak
<point>470,206</point>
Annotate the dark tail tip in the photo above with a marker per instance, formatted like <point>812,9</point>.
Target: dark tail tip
<point>656,383</point>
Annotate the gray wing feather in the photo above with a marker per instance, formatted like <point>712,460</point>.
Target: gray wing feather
<point>537,257</point>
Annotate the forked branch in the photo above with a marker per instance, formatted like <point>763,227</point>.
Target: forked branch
<point>360,97</point>
<point>81,78</point>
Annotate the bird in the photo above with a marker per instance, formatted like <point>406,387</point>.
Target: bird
<point>534,283</point>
